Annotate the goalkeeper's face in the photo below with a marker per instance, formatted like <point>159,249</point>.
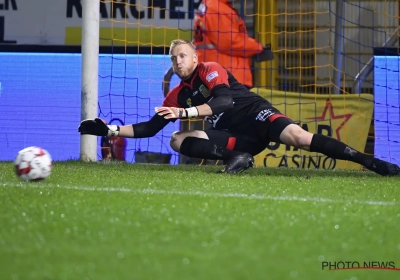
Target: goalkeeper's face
<point>184,60</point>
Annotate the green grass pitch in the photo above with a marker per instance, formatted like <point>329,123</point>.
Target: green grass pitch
<point>130,221</point>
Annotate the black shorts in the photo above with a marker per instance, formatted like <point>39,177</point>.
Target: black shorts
<point>255,138</point>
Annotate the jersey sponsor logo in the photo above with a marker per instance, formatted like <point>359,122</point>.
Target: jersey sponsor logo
<point>213,119</point>
<point>204,91</point>
<point>195,93</point>
<point>211,76</point>
<point>264,115</point>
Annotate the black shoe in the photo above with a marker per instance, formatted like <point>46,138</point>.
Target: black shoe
<point>384,168</point>
<point>238,164</point>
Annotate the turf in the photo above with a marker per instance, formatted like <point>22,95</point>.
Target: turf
<point>131,221</point>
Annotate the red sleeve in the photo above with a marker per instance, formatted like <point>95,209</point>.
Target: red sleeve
<point>171,100</point>
<point>213,74</point>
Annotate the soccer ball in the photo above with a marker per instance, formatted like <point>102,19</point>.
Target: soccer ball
<point>33,164</point>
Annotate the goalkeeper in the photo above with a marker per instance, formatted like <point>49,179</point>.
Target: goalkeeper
<point>243,122</point>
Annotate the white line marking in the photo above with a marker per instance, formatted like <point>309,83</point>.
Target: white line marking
<point>207,194</point>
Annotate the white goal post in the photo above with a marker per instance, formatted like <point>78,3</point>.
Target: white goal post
<point>90,70</point>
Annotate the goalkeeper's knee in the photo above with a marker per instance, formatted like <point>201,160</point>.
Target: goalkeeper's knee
<point>176,141</point>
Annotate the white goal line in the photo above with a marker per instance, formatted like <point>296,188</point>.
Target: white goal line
<point>203,194</point>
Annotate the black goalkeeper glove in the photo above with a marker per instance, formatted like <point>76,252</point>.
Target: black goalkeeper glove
<point>265,55</point>
<point>98,127</point>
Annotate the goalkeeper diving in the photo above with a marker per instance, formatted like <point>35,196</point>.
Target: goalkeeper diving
<point>243,123</point>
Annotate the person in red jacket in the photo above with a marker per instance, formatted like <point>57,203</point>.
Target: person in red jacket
<point>112,147</point>
<point>220,36</point>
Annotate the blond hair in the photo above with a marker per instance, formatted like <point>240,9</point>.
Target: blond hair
<point>178,42</point>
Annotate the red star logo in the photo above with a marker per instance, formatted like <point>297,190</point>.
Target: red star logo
<point>329,106</point>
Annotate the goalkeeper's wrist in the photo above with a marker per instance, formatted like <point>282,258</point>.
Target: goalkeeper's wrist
<point>192,112</point>
<point>113,130</point>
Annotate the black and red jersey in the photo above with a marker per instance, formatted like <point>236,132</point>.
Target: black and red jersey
<point>200,87</point>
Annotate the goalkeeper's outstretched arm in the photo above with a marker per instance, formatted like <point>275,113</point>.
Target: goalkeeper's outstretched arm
<point>141,130</point>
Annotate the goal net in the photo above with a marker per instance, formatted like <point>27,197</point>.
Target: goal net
<point>335,70</point>
<point>336,73</point>
<point>137,35</point>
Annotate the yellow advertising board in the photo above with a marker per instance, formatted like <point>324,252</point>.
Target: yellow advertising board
<point>344,117</point>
